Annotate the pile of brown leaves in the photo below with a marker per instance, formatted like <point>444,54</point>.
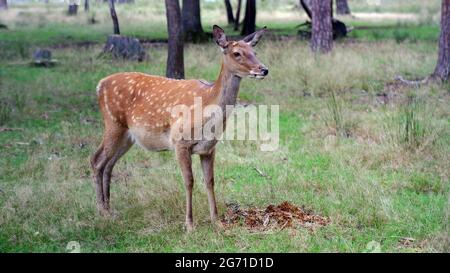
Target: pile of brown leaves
<point>285,215</point>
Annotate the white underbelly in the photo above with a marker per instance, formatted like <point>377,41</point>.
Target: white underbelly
<point>204,147</point>
<point>149,140</point>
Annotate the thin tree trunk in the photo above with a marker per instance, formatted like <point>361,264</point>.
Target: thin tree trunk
<point>249,25</point>
<point>342,7</point>
<point>237,18</point>
<point>86,5</point>
<point>442,69</point>
<point>3,4</point>
<point>192,24</point>
<point>112,10</point>
<point>306,5</point>
<point>322,30</point>
<point>72,8</point>
<point>229,9</point>
<point>175,58</point>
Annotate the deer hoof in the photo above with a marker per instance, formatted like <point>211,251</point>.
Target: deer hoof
<point>218,225</point>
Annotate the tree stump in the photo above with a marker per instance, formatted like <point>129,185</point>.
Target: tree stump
<point>122,47</point>
<point>43,57</point>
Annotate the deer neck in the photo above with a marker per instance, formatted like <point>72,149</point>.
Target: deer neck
<point>226,88</point>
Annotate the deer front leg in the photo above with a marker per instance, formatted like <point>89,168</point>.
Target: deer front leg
<point>184,157</point>
<point>207,162</point>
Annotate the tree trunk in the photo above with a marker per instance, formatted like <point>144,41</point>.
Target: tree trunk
<point>442,69</point>
<point>3,4</point>
<point>342,7</point>
<point>86,5</point>
<point>230,16</point>
<point>249,25</point>
<point>331,9</point>
<point>112,10</point>
<point>175,58</point>
<point>322,30</point>
<point>73,7</point>
<point>238,15</point>
<point>192,24</point>
<point>306,5</point>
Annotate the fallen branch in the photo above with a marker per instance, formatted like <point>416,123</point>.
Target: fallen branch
<point>22,143</point>
<point>4,129</point>
<point>416,83</point>
<point>260,172</point>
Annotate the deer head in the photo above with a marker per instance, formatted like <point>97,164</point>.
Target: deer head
<point>239,56</point>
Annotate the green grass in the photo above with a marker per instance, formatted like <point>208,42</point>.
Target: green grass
<point>397,32</point>
<point>369,182</point>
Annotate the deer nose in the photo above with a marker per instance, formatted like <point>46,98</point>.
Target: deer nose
<point>264,71</point>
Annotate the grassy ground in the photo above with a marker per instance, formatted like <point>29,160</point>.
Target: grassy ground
<point>344,151</point>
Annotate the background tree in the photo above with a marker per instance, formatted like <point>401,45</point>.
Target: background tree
<point>3,4</point>
<point>230,16</point>
<point>86,5</point>
<point>175,58</point>
<point>322,29</point>
<point>249,25</point>
<point>192,24</point>
<point>73,7</point>
<point>342,7</point>
<point>306,5</point>
<point>112,11</point>
<point>338,27</point>
<point>442,69</point>
<point>237,18</point>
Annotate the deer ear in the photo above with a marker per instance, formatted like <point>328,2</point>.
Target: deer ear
<point>219,37</point>
<point>253,39</point>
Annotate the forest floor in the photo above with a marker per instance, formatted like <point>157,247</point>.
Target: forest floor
<point>366,154</point>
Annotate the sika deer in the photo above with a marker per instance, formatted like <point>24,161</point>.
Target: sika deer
<point>136,109</point>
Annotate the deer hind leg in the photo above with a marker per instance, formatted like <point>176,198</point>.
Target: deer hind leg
<point>118,153</point>
<point>98,161</point>
<point>116,143</point>
<point>207,162</point>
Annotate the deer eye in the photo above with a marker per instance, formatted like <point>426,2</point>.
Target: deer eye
<point>236,54</point>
